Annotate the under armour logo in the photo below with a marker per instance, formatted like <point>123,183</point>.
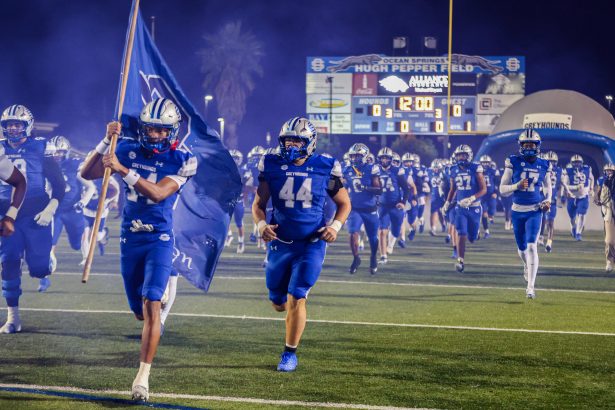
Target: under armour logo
<point>310,169</point>
<point>123,240</point>
<point>159,164</point>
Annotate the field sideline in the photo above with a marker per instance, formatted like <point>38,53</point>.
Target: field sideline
<point>416,335</point>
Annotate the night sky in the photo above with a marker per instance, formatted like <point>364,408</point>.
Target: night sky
<point>62,58</point>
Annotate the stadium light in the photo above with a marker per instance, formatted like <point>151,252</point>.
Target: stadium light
<point>221,121</point>
<point>609,100</point>
<point>207,99</point>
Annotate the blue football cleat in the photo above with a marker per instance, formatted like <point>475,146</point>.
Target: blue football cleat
<point>356,262</point>
<point>578,237</point>
<point>573,232</point>
<point>252,237</point>
<point>454,255</point>
<point>487,235</point>
<point>288,362</point>
<point>447,239</point>
<point>411,235</point>
<point>44,284</point>
<point>401,243</point>
<point>421,228</point>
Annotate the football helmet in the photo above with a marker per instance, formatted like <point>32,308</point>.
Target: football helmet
<point>358,153</point>
<point>385,157</point>
<point>256,152</point>
<point>485,160</point>
<point>159,113</point>
<point>407,157</point>
<point>552,157</point>
<point>416,160</point>
<point>272,151</point>
<point>237,156</point>
<point>529,135</point>
<point>576,161</point>
<point>436,164</point>
<point>396,161</point>
<point>369,159</point>
<point>58,146</point>
<point>463,155</point>
<point>17,113</point>
<point>298,128</point>
<point>346,159</point>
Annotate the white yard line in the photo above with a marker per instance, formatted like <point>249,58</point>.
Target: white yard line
<point>342,322</point>
<point>358,282</point>
<point>206,398</point>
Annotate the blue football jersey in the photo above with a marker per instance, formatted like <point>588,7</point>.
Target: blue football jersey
<point>578,176</point>
<point>556,182</point>
<point>419,174</point>
<point>28,158</point>
<point>489,175</point>
<point>70,167</point>
<point>176,164</point>
<point>392,192</point>
<point>298,193</point>
<point>435,183</point>
<point>465,180</point>
<point>355,178</point>
<point>534,172</point>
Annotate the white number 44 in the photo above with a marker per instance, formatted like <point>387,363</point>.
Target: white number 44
<point>304,195</point>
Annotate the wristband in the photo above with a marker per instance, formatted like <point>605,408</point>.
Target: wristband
<point>472,199</point>
<point>103,146</point>
<point>131,178</point>
<point>261,225</point>
<point>11,213</point>
<point>336,225</point>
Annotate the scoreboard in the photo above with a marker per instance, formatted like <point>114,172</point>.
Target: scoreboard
<point>374,94</point>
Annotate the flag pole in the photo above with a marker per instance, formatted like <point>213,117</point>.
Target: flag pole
<point>107,175</point>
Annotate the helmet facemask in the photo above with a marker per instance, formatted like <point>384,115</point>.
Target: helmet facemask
<point>385,161</point>
<point>14,130</point>
<point>529,149</point>
<point>293,148</point>
<point>462,158</point>
<point>158,138</point>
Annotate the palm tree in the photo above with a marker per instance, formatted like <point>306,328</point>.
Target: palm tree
<point>230,63</point>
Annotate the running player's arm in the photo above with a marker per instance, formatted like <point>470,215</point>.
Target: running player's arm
<point>405,186</point>
<point>155,191</point>
<point>11,175</point>
<point>591,182</point>
<point>482,186</point>
<point>548,191</point>
<point>566,184</point>
<point>375,187</point>
<point>93,167</point>
<point>338,193</point>
<point>506,186</point>
<point>259,211</point>
<point>88,191</point>
<point>452,190</point>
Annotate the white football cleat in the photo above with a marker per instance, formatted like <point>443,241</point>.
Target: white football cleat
<point>609,266</point>
<point>140,393</point>
<point>390,249</point>
<point>530,295</point>
<point>11,327</point>
<point>240,247</point>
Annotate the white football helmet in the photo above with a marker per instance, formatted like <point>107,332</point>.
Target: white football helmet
<point>160,113</point>
<point>461,150</point>
<point>369,159</point>
<point>407,157</point>
<point>529,135</point>
<point>256,152</point>
<point>416,160</point>
<point>303,129</point>
<point>58,146</point>
<point>552,156</point>
<point>576,161</point>
<point>358,153</point>
<point>237,156</point>
<point>385,156</point>
<point>17,113</point>
<point>396,161</point>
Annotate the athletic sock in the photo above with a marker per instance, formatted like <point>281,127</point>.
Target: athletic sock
<point>292,349</point>
<point>532,264</point>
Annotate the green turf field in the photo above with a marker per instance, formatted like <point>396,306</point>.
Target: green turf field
<point>417,334</point>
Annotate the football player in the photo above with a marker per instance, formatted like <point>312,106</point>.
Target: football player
<point>153,170</point>
<point>603,197</point>
<point>434,176</point>
<point>525,175</point>
<point>489,200</point>
<point>421,180</point>
<point>556,191</point>
<point>467,185</point>
<point>239,210</point>
<point>69,211</point>
<point>363,184</point>
<point>412,210</point>
<point>449,212</point>
<point>32,238</point>
<point>297,182</point>
<point>578,182</point>
<point>254,157</point>
<point>395,194</point>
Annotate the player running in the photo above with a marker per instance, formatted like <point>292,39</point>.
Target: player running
<point>31,240</point>
<point>556,191</point>
<point>525,176</point>
<point>489,200</point>
<point>240,209</point>
<point>297,181</point>
<point>578,181</point>
<point>153,170</point>
<point>467,185</point>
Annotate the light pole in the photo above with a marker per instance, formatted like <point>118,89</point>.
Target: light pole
<point>329,80</point>
<point>207,99</point>
<point>268,138</point>
<point>609,100</point>
<point>221,121</point>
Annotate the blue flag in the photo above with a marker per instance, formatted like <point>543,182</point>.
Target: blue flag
<point>203,212</point>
